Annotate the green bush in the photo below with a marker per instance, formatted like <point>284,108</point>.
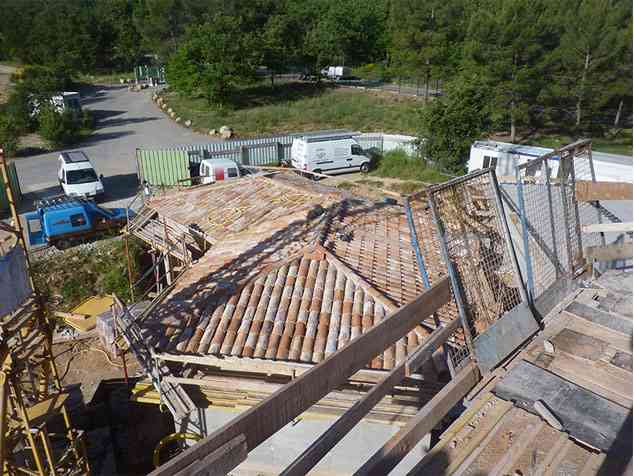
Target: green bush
<point>8,135</point>
<point>87,120</point>
<point>58,129</point>
<point>397,164</point>
<point>84,272</point>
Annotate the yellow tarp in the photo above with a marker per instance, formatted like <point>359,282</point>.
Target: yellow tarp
<point>91,308</point>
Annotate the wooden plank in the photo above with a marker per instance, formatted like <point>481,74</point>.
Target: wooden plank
<point>397,447</point>
<point>316,451</point>
<point>611,252</point>
<point>605,319</point>
<point>607,228</point>
<point>262,421</point>
<point>580,345</point>
<point>591,377</point>
<point>616,339</point>
<point>220,461</point>
<point>622,360</point>
<point>586,191</point>
<point>585,415</point>
<point>261,366</point>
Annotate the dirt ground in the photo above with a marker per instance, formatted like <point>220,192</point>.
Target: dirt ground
<point>5,75</point>
<point>84,362</point>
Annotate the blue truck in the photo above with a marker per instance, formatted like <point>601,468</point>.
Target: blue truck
<point>62,222</point>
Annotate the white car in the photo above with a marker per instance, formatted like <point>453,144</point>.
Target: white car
<point>77,176</point>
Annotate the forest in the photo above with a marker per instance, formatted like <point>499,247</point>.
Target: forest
<point>506,65</point>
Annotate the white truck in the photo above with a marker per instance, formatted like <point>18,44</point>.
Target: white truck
<point>216,170</point>
<point>329,153</point>
<point>336,72</point>
<point>77,176</point>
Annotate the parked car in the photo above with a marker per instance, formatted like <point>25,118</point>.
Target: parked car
<point>77,176</point>
<point>215,170</point>
<point>329,153</point>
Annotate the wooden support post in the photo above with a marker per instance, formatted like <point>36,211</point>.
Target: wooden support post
<point>168,269</point>
<point>315,452</point>
<point>265,419</point>
<point>387,457</point>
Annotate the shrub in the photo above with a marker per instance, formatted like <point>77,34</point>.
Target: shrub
<point>87,120</point>
<point>59,129</point>
<point>8,135</point>
<point>397,164</point>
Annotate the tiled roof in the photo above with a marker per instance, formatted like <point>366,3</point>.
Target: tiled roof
<point>302,310</point>
<point>293,278</point>
<point>234,207</point>
<point>375,241</point>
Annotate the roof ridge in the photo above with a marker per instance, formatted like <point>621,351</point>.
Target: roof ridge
<point>377,295</point>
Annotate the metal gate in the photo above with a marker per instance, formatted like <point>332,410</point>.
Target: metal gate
<point>483,267</point>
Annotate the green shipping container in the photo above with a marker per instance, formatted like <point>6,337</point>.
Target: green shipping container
<point>167,167</point>
<point>14,183</point>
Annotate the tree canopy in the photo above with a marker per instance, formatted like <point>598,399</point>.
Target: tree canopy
<point>542,62</point>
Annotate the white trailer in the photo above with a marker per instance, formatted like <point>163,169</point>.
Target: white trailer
<point>505,157</point>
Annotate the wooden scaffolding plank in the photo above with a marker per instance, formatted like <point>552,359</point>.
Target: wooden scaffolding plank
<point>586,191</point>
<point>264,420</point>
<point>387,457</point>
<point>316,451</point>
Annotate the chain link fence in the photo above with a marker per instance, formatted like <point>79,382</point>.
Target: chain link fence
<point>475,243</point>
<point>546,218</point>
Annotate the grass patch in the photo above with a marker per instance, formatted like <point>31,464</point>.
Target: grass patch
<point>397,164</point>
<point>346,185</point>
<point>616,143</point>
<point>407,187</point>
<point>296,107</point>
<point>371,183</point>
<point>86,271</point>
<point>105,78</point>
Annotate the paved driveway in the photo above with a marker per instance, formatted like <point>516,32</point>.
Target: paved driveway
<point>125,120</point>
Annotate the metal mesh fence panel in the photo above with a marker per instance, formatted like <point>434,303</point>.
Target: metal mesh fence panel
<point>472,230</point>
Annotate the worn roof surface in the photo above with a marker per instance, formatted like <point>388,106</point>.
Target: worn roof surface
<point>304,309</point>
<point>591,354</point>
<point>245,205</point>
<point>295,270</point>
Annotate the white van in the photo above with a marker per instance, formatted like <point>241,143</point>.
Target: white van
<point>331,153</point>
<point>215,170</point>
<point>77,176</point>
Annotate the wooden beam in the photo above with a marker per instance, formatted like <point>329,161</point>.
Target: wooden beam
<point>607,228</point>
<point>587,191</point>
<point>221,461</point>
<point>260,366</point>
<point>315,452</point>
<point>265,419</point>
<point>397,447</point>
<point>609,252</point>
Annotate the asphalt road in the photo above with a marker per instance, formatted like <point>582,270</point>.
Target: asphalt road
<point>125,121</point>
